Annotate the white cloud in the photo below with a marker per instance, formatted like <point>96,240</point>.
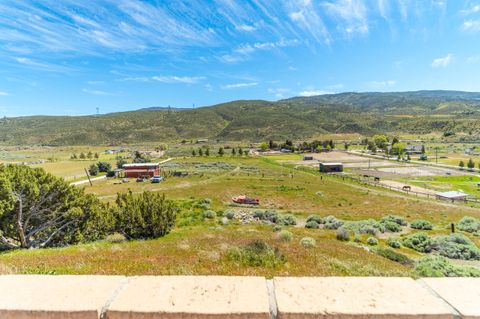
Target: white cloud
<point>307,93</point>
<point>472,10</point>
<point>246,28</point>
<point>178,79</point>
<point>473,59</point>
<point>381,84</point>
<point>352,13</point>
<point>279,92</point>
<point>3,93</point>
<point>471,25</point>
<point>239,85</point>
<point>48,67</point>
<point>305,16</point>
<point>97,92</point>
<point>442,61</point>
<point>292,68</point>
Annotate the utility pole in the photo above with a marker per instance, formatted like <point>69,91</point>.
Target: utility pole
<point>436,155</point>
<point>88,175</point>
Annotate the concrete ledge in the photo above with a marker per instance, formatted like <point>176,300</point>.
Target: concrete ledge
<point>192,297</point>
<point>55,297</point>
<point>355,297</point>
<point>215,297</point>
<point>463,294</point>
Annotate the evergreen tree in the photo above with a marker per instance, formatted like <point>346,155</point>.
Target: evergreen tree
<point>423,149</point>
<point>234,152</point>
<point>90,155</point>
<point>200,151</point>
<point>93,170</point>
<point>221,151</point>
<point>461,164</point>
<point>82,155</point>
<point>470,164</point>
<point>96,156</point>
<point>240,151</point>
<point>194,153</point>
<point>207,152</point>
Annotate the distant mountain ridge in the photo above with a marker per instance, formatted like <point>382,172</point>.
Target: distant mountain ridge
<point>418,112</point>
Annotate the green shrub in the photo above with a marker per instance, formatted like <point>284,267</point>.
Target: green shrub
<point>421,224</point>
<point>257,254</point>
<point>330,222</point>
<point>260,214</point>
<point>394,219</point>
<point>342,234</point>
<point>288,220</point>
<point>372,241</point>
<point>285,235</point>
<point>315,218</point>
<point>115,238</point>
<point>210,214</point>
<point>438,266</point>
<point>393,255</point>
<point>419,242</point>
<point>357,239</point>
<point>370,226</point>
<point>308,242</point>
<point>393,242</point>
<point>469,224</point>
<point>312,224</point>
<point>456,246</point>
<point>147,215</point>
<point>277,228</point>
<point>391,226</point>
<point>230,214</point>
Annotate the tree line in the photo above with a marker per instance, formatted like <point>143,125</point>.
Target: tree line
<point>39,210</point>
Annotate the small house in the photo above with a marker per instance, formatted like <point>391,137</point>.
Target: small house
<point>452,196</point>
<point>413,149</point>
<point>136,170</point>
<point>331,167</point>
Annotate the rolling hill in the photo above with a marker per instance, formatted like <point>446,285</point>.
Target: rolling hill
<point>417,112</point>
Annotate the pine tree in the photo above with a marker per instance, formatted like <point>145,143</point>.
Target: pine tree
<point>200,152</point>
<point>221,151</point>
<point>234,152</point>
<point>470,164</point>
<point>193,153</point>
<point>240,151</point>
<point>207,152</point>
<point>461,164</point>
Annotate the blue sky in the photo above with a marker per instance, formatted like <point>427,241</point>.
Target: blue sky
<point>70,57</point>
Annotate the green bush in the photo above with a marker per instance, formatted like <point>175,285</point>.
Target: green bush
<point>288,220</point>
<point>210,214</point>
<point>456,246</point>
<point>394,219</point>
<point>438,266</point>
<point>314,218</point>
<point>285,235</point>
<point>370,226</point>
<point>419,242</point>
<point>421,224</point>
<point>469,224</point>
<point>308,242</point>
<point>330,222</point>
<point>393,255</point>
<point>357,239</point>
<point>115,238</point>
<point>393,242</point>
<point>277,228</point>
<point>391,226</point>
<point>312,224</point>
<point>342,234</point>
<point>93,170</point>
<point>260,214</point>
<point>257,254</point>
<point>230,214</point>
<point>147,215</point>
<point>372,241</point>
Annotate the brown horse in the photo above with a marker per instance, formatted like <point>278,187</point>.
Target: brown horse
<point>406,188</point>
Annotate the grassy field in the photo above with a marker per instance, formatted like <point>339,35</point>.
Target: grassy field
<point>203,246</point>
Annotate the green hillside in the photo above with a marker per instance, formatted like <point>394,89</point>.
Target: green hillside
<point>255,120</point>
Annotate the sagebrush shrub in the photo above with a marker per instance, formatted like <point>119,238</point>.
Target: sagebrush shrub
<point>115,238</point>
<point>314,218</point>
<point>210,214</point>
<point>421,224</point>
<point>393,242</point>
<point>372,241</point>
<point>285,235</point>
<point>469,224</point>
<point>393,255</point>
<point>312,224</point>
<point>308,242</point>
<point>331,222</point>
<point>342,234</point>
<point>438,266</point>
<point>419,242</point>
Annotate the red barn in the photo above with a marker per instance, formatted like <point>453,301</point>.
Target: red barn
<point>141,170</point>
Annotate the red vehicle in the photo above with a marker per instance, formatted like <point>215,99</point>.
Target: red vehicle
<point>246,200</point>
